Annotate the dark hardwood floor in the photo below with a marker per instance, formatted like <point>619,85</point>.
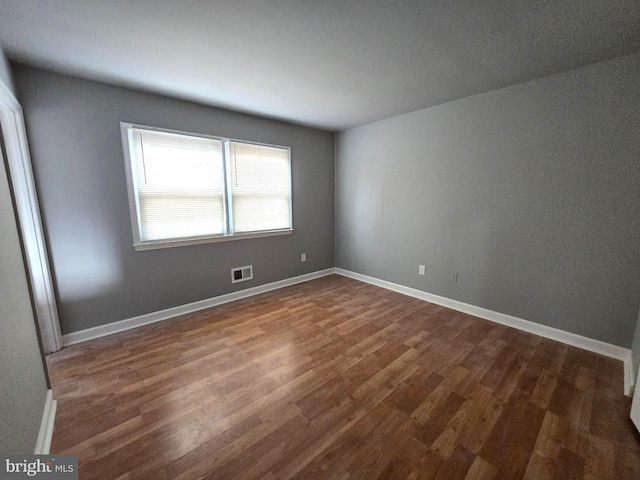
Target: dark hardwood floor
<point>337,379</point>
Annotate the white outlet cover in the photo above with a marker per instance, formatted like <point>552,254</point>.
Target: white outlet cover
<point>421,269</point>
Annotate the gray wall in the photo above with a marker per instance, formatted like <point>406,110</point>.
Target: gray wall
<point>531,193</point>
<point>23,384</point>
<point>74,135</point>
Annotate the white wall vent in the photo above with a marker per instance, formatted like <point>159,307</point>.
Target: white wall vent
<point>241,274</point>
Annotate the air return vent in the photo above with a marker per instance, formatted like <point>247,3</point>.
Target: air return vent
<point>241,274</point>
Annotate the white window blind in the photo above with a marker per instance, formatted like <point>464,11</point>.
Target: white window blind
<point>180,185</point>
<point>185,187</point>
<point>259,187</point>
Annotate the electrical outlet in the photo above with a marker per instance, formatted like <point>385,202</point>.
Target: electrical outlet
<point>454,277</point>
<point>303,257</point>
<point>421,270</point>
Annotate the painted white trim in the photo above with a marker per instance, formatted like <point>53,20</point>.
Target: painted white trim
<point>43,443</point>
<point>8,98</point>
<point>128,324</point>
<point>573,339</point>
<point>23,183</point>
<point>156,244</point>
<point>629,375</point>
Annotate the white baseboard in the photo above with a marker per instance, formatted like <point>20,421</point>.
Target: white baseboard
<point>129,323</point>
<point>573,339</point>
<point>43,443</point>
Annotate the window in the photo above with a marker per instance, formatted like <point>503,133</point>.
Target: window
<point>186,188</point>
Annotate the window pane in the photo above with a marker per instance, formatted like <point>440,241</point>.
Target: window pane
<point>256,213</point>
<point>174,216</point>
<point>260,187</point>
<point>180,185</point>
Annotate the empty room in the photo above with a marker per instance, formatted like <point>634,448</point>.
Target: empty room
<point>333,240</point>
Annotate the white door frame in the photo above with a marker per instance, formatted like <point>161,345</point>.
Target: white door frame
<point>635,405</point>
<point>23,184</point>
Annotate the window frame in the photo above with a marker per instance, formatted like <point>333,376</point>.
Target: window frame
<point>228,235</point>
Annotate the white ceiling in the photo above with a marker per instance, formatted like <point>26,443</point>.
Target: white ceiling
<point>326,63</point>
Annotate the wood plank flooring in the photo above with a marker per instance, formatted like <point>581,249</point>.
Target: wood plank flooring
<point>337,379</point>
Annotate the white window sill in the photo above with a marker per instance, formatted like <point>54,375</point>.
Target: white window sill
<point>154,245</point>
